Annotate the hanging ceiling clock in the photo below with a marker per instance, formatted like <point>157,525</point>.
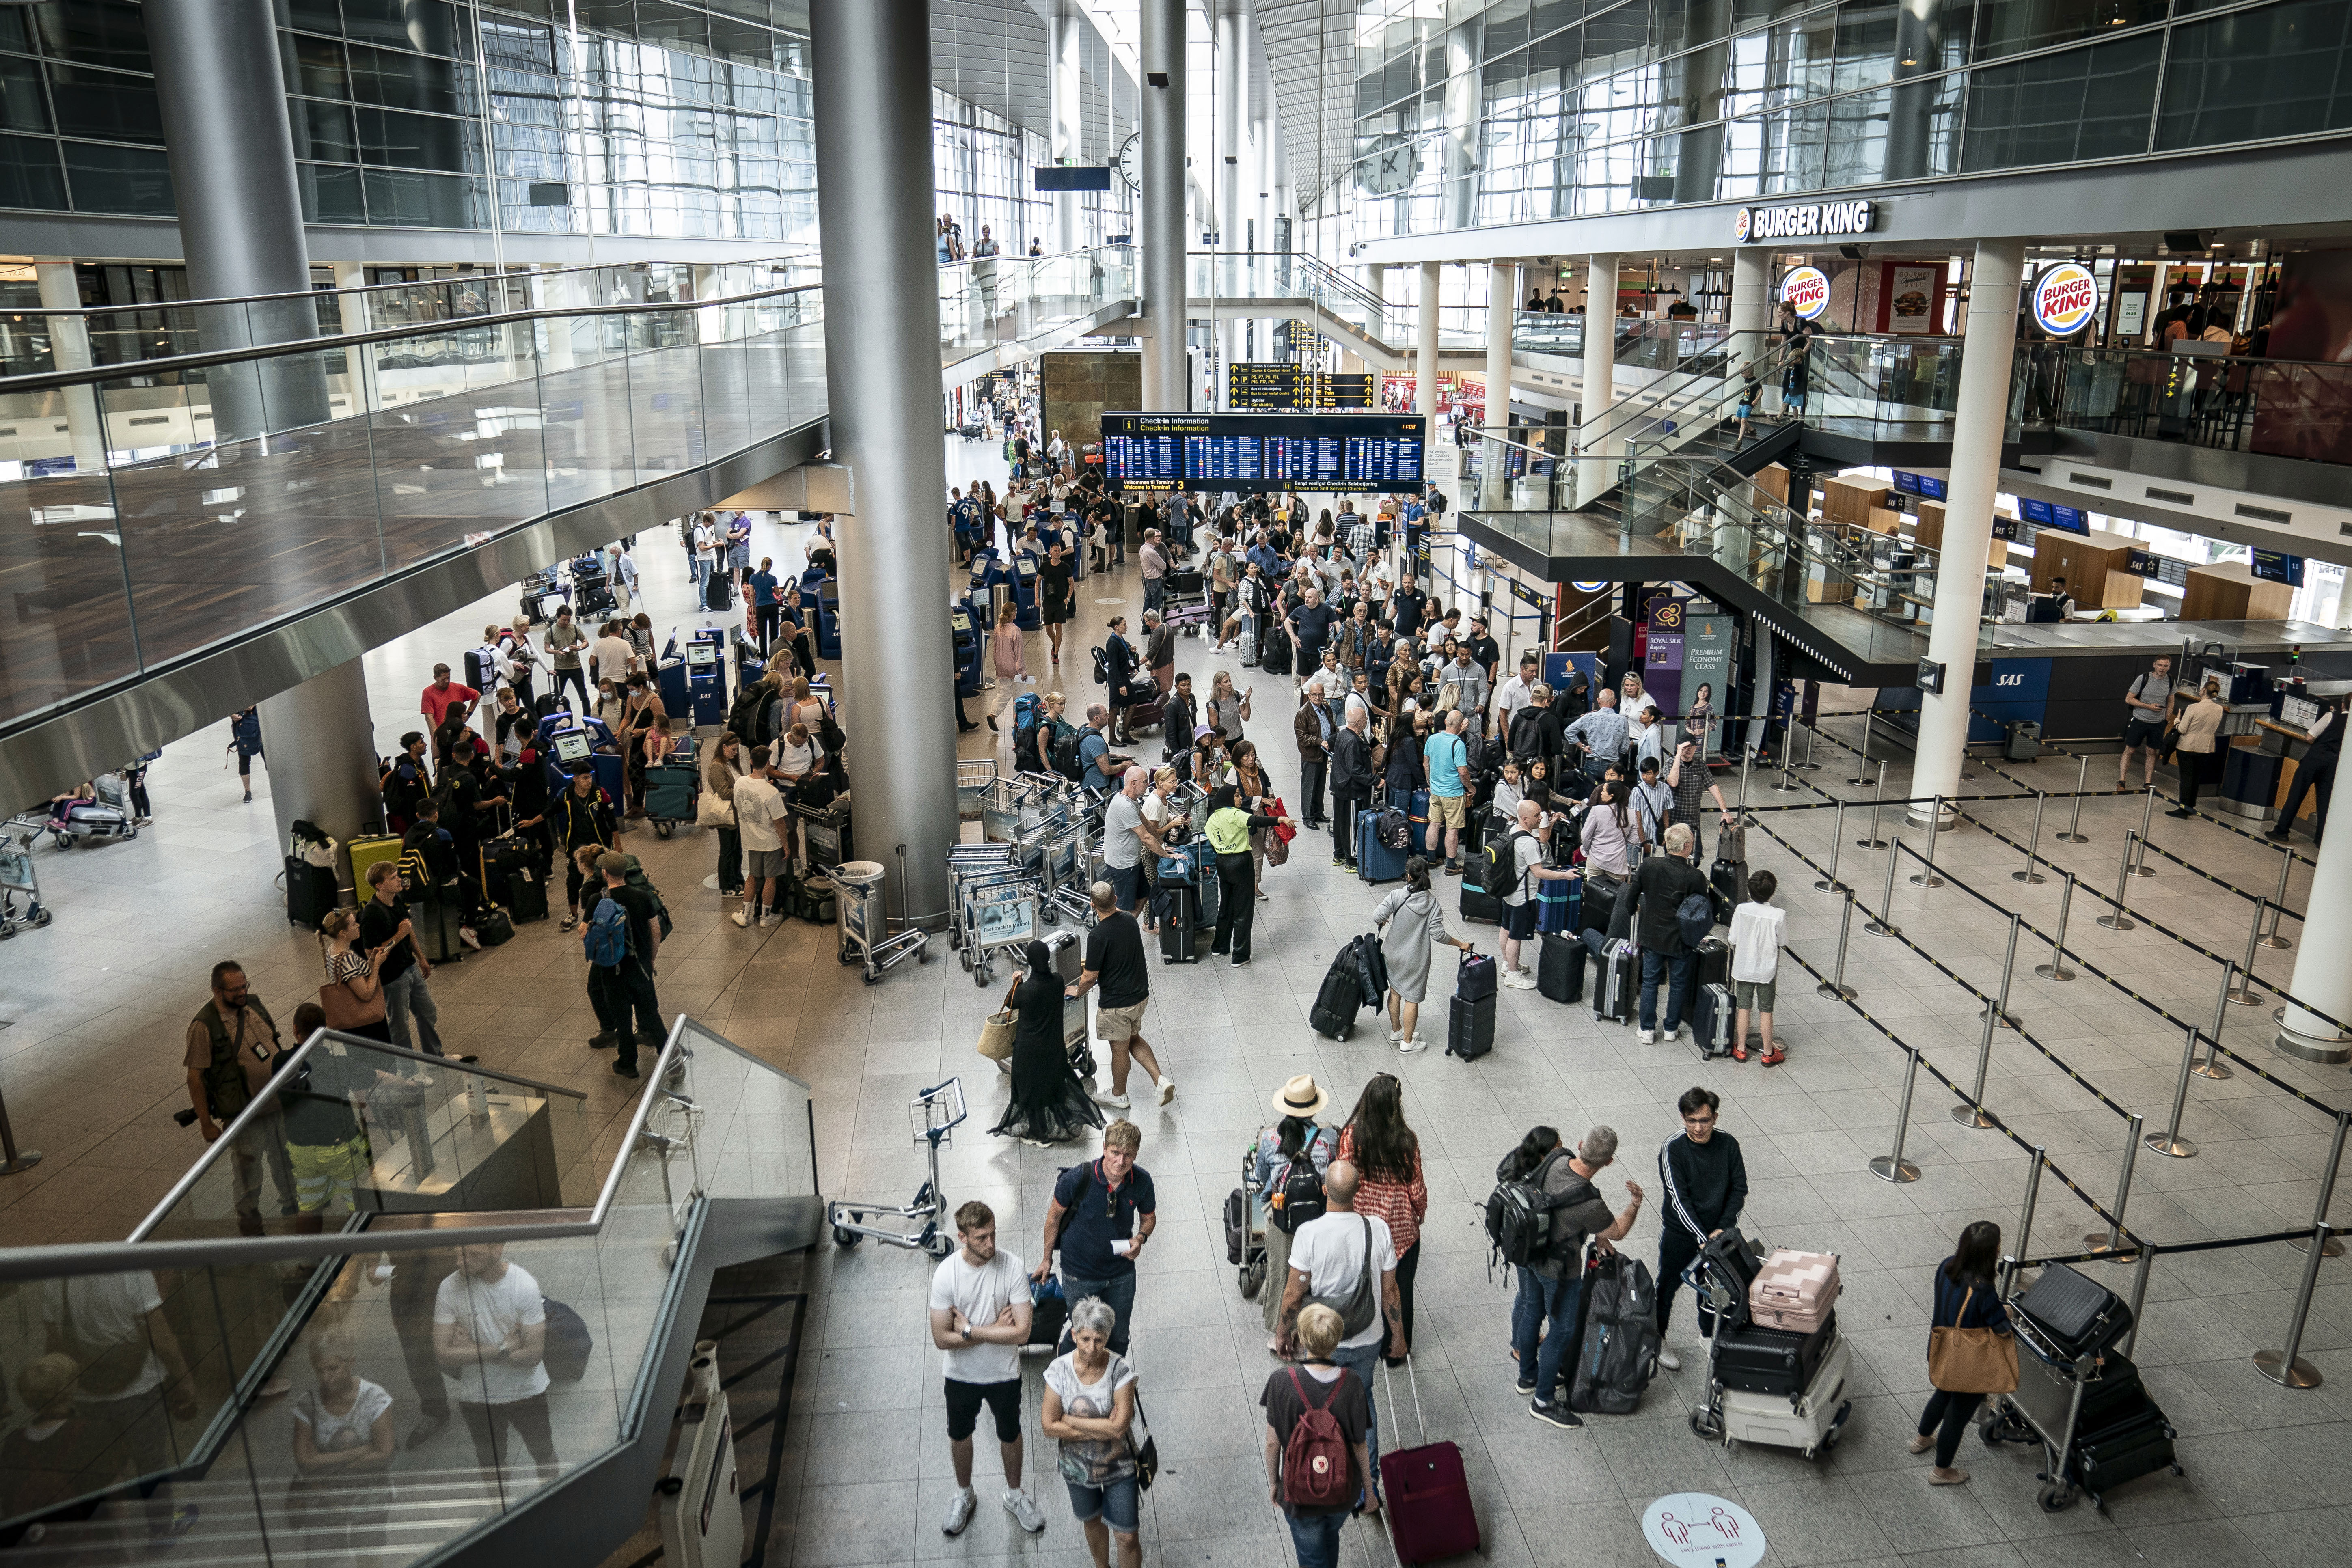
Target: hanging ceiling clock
<point>1390,164</point>
<point>1130,161</point>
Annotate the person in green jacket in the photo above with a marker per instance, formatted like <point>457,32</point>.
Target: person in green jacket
<point>1228,830</point>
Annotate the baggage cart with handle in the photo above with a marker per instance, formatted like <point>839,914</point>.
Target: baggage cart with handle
<point>1427,1491</point>
<point>2093,1438</point>
<point>1787,1391</point>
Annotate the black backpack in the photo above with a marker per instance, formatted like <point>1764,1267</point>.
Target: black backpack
<point>1065,755</point>
<point>744,719</point>
<point>1301,1192</point>
<point>1518,1219</point>
<point>1102,667</point>
<point>1499,864</point>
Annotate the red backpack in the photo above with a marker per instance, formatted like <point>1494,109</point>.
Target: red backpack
<point>1315,1460</point>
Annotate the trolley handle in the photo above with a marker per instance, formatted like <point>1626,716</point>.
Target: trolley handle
<point>2079,1369</point>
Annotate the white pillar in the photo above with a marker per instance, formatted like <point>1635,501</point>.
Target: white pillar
<point>1162,201</point>
<point>2321,977</point>
<point>1260,206</point>
<point>1982,406</point>
<point>70,346</point>
<point>358,313</point>
<point>1502,315</point>
<point>1424,357</point>
<point>1230,118</point>
<point>1599,342</point>
<point>1752,302</point>
<point>1066,36</point>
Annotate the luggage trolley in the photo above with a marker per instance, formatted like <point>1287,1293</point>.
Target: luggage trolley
<point>865,939</point>
<point>975,783</point>
<point>20,884</point>
<point>1809,1421</point>
<point>993,909</point>
<point>936,1112</point>
<point>1246,1229</point>
<point>2047,1408</point>
<point>1185,602</point>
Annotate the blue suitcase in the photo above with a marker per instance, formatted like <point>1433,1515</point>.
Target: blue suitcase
<point>1375,861</point>
<point>1557,905</point>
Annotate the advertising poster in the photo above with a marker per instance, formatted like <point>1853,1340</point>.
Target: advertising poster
<point>1911,294</point>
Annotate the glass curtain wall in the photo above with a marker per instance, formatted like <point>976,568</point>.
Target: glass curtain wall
<point>1513,110</point>
<point>981,163</point>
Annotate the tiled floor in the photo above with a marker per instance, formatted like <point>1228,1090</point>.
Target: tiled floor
<point>98,1001</point>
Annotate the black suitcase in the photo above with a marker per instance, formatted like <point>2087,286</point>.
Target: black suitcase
<point>1711,1019</point>
<point>1559,967</point>
<point>2114,1398</point>
<point>2080,1315</point>
<point>1236,1225</point>
<point>525,894</point>
<point>496,929</point>
<point>2123,1452</point>
<point>1481,907</point>
<point>1470,1026</point>
<point>1340,998</point>
<point>718,591</point>
<point>1714,962</point>
<point>311,892</point>
<point>1274,650</point>
<point>1770,1360</point>
<point>1616,990</point>
<point>1180,934</point>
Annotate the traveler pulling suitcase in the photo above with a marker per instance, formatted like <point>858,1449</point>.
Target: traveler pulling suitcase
<point>1559,968</point>
<point>1427,1491</point>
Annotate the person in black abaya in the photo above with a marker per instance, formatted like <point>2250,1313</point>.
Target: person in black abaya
<point>1049,1104</point>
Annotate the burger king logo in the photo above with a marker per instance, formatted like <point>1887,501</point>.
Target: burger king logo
<point>1807,292</point>
<point>2066,298</point>
<point>1741,222</point>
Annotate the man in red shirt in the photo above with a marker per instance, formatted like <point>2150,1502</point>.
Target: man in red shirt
<point>444,694</point>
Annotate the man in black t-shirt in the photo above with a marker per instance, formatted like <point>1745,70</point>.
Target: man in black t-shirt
<point>619,990</point>
<point>1115,962</point>
<point>1660,885</point>
<point>384,918</point>
<point>1405,605</point>
<point>1053,596</point>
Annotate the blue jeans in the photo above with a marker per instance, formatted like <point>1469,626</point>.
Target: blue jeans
<point>1677,973</point>
<point>1543,1301</point>
<point>1316,1539</point>
<point>1364,1362</point>
<point>1118,1294</point>
<point>405,995</point>
<point>1118,1504</point>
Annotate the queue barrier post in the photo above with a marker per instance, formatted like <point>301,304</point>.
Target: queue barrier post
<point>1894,1167</point>
<point>2034,842</point>
<point>2056,969</point>
<point>2331,1247</point>
<point>1829,884</point>
<point>2110,1241</point>
<point>2117,920</point>
<point>2270,939</point>
<point>1837,988</point>
<point>2075,834</point>
<point>2283,1366</point>
<point>1926,875</point>
<point>2170,1142</point>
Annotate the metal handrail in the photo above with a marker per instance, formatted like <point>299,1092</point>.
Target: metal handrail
<point>43,380</point>
<point>1696,382</point>
<point>26,1265</point>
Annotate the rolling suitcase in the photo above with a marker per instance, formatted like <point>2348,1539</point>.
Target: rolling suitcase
<point>1727,882</point>
<point>1376,862</point>
<point>1479,906</point>
<point>2136,1448</point>
<point>2084,1318</point>
<point>1557,905</point>
<point>1714,962</point>
<point>1340,998</point>
<point>2116,1397</point>
<point>366,852</point>
<point>1180,931</point>
<point>1477,977</point>
<point>1755,1360</point>
<point>1794,1291</point>
<point>1616,989</point>
<point>1470,1026</point>
<point>1711,1019</point>
<point>1559,968</point>
<point>311,892</point>
<point>1427,1491</point>
<point>1808,1422</point>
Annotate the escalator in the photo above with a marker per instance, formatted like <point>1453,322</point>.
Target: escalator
<point>224,1328</point>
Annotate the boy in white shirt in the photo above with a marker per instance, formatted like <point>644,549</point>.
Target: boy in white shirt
<point>1754,964</point>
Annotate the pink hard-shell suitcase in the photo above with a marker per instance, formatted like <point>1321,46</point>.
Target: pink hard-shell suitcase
<point>1794,1291</point>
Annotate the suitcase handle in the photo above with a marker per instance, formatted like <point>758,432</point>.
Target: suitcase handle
<point>1387,1390</point>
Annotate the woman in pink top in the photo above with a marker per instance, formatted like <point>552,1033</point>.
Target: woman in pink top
<point>1387,1157</point>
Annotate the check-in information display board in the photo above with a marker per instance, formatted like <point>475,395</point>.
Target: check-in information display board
<point>1265,451</point>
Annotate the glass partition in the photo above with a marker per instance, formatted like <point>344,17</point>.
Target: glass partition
<point>372,1377</point>
<point>2284,409</point>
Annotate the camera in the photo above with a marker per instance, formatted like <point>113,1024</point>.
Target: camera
<point>185,1116</point>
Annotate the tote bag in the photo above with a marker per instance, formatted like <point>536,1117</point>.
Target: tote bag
<point>1971,1361</point>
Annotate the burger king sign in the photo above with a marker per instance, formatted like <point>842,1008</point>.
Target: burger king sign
<point>1806,290</point>
<point>2065,298</point>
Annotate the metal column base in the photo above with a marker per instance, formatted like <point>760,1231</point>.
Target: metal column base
<point>2303,1047</point>
<point>2000,1020</point>
<point>2052,972</point>
<point>1887,1168</point>
<point>1836,993</point>
<point>2210,1068</point>
<point>2114,1252</point>
<point>2272,1365</point>
<point>2027,876</point>
<point>2177,1148</point>
<point>2117,921</point>
<point>1972,1116</point>
<point>1925,880</point>
<point>2334,1248</point>
<point>27,1158</point>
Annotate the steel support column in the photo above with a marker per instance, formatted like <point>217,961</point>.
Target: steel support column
<point>1424,356</point>
<point>1166,364</point>
<point>1066,34</point>
<point>2321,977</point>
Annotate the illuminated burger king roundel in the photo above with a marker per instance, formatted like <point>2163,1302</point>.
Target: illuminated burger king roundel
<point>1806,290</point>
<point>2066,298</point>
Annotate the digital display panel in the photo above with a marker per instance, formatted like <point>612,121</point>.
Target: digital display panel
<point>572,746</point>
<point>2071,519</point>
<point>2271,566</point>
<point>1267,451</point>
<point>700,655</point>
<point>2036,512</point>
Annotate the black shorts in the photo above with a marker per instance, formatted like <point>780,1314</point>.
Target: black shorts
<point>2142,732</point>
<point>964,1400</point>
<point>1519,919</point>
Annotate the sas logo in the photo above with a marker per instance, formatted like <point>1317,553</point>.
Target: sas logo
<point>2017,680</point>
<point>2066,298</point>
<point>1807,292</point>
<point>1741,222</point>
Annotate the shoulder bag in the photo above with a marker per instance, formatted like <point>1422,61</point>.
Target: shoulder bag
<point>1971,1361</point>
<point>346,1010</point>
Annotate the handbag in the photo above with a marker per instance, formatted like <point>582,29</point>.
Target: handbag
<point>996,1036</point>
<point>1141,1448</point>
<point>1971,1361</point>
<point>711,811</point>
<point>345,1011</point>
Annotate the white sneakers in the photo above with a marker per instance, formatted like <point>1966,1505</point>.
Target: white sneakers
<point>1668,1359</point>
<point>1415,1044</point>
<point>1167,1089</point>
<point>1648,1037</point>
<point>1518,980</point>
<point>1396,1037</point>
<point>1115,1102</point>
<point>959,1511</point>
<point>742,917</point>
<point>1024,1512</point>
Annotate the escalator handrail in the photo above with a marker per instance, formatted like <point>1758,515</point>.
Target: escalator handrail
<point>1694,382</point>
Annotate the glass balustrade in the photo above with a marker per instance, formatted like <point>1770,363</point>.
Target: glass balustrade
<point>2280,408</point>
<point>246,1390</point>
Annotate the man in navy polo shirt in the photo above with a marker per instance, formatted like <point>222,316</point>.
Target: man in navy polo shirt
<point>1101,1215</point>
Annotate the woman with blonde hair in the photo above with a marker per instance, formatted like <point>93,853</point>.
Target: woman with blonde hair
<point>806,710</point>
<point>353,969</point>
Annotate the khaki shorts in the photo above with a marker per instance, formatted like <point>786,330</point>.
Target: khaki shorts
<point>1115,1024</point>
<point>1450,810</point>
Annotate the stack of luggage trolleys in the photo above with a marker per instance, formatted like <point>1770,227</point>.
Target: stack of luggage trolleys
<point>2078,1395</point>
<point>993,905</point>
<point>1777,1368</point>
<point>1185,602</point>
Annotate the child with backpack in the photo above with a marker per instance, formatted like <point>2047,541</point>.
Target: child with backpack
<point>1286,1168</point>
<point>1316,1464</point>
<point>1756,928</point>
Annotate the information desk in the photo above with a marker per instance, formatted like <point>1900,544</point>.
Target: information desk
<point>1374,452</point>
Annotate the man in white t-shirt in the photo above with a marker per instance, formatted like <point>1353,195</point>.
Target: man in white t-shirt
<point>980,1320</point>
<point>1127,837</point>
<point>489,1334</point>
<point>759,806</point>
<point>114,1326</point>
<point>1326,1264</point>
<point>706,551</point>
<point>610,656</point>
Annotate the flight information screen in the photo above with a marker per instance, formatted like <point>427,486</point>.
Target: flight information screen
<point>1248,451</point>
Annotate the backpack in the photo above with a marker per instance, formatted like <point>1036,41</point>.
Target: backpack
<point>1102,667</point>
<point>1696,915</point>
<point>1360,1307</point>
<point>1499,865</point>
<point>1518,1219</point>
<point>1314,1458</point>
<point>1065,752</point>
<point>1028,710</point>
<point>744,719</point>
<point>568,1342</point>
<point>605,938</point>
<point>1300,1195</point>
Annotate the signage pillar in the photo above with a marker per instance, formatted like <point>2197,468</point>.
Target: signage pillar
<point>1066,35</point>
<point>1166,360</point>
<point>2321,977</point>
<point>1599,349</point>
<point>1424,354</point>
<point>1981,409</point>
<point>875,181</point>
<point>1502,315</point>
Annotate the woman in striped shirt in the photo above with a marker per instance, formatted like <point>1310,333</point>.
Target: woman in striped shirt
<point>1387,1157</point>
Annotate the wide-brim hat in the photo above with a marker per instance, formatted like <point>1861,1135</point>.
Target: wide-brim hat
<point>1301,1097</point>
